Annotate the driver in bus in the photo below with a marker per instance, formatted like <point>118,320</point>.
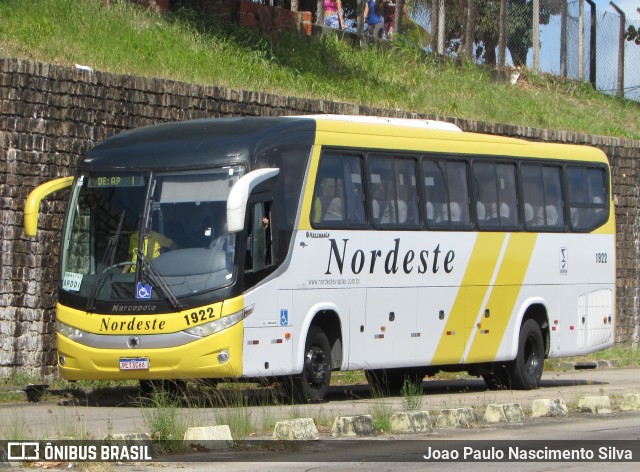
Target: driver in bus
<point>153,244</point>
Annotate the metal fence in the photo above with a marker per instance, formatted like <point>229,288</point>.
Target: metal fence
<point>574,39</point>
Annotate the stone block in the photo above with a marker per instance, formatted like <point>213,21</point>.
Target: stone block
<point>504,413</point>
<point>210,437</point>
<point>599,405</point>
<point>299,429</point>
<point>411,422</point>
<point>630,402</point>
<point>457,418</point>
<point>345,426</point>
<point>549,407</point>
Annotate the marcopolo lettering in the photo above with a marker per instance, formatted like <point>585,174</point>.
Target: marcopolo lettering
<point>392,261</point>
<point>134,324</point>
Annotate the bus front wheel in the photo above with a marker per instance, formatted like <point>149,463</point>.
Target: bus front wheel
<point>526,368</point>
<point>312,384</point>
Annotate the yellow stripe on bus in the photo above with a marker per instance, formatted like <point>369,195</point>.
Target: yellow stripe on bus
<point>501,303</point>
<point>479,271</point>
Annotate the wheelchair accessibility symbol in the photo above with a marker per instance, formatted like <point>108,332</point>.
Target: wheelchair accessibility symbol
<point>284,317</point>
<point>143,291</point>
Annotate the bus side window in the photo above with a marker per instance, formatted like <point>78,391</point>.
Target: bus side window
<point>259,242</point>
<point>446,193</point>
<point>496,194</point>
<point>394,199</point>
<point>338,197</point>
<point>541,191</point>
<point>587,197</point>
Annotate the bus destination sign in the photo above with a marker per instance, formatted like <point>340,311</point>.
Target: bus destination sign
<point>98,181</point>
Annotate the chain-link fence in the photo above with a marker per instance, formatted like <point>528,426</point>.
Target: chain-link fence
<point>502,33</point>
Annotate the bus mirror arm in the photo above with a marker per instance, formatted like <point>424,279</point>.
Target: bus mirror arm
<point>239,196</point>
<point>32,205</point>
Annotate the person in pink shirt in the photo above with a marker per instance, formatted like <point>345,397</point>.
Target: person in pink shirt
<point>333,14</point>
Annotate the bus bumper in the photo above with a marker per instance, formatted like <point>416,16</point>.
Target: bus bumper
<point>195,360</point>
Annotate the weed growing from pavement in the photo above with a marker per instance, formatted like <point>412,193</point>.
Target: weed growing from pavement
<point>235,413</point>
<point>380,411</point>
<point>381,414</point>
<point>411,395</point>
<point>14,428</point>
<point>162,420</point>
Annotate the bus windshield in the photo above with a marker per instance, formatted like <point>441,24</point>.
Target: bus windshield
<point>148,236</point>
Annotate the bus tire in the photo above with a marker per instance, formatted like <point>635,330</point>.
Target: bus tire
<point>312,384</point>
<point>526,369</point>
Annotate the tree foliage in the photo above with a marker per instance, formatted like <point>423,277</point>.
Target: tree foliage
<point>633,34</point>
<point>487,31</point>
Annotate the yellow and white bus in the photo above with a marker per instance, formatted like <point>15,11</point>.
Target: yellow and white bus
<point>290,247</point>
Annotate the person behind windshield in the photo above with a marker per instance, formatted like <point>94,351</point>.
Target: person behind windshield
<point>152,245</point>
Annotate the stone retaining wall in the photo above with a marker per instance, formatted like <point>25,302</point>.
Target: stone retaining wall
<point>50,115</point>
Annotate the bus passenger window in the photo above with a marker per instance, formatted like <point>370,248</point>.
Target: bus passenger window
<point>496,195</point>
<point>587,197</point>
<point>446,193</point>
<point>541,191</point>
<point>394,187</point>
<point>338,195</point>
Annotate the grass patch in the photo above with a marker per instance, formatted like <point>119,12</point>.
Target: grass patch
<point>381,414</point>
<point>236,414</point>
<point>13,428</point>
<point>411,395</point>
<point>162,420</point>
<point>189,46</point>
<point>348,377</point>
<point>623,356</point>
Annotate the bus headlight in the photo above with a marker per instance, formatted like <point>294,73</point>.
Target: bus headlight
<point>213,327</point>
<point>69,331</point>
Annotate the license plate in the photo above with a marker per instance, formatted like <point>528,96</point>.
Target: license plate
<point>134,363</point>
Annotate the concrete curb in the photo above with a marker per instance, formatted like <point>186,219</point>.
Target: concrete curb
<point>630,402</point>
<point>403,422</point>
<point>349,426</point>
<point>463,417</point>
<point>504,413</point>
<point>599,405</point>
<point>299,429</point>
<point>549,407</point>
<point>411,422</point>
<point>219,435</point>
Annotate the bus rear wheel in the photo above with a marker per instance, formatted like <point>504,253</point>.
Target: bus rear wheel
<point>312,384</point>
<point>525,370</point>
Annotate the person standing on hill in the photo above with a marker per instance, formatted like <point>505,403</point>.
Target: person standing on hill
<point>333,14</point>
<point>373,17</point>
<point>389,13</point>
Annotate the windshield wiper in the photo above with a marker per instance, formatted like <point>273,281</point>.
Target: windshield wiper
<point>109,255</point>
<point>157,280</point>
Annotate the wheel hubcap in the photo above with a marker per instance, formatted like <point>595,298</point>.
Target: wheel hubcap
<point>531,356</point>
<point>316,366</point>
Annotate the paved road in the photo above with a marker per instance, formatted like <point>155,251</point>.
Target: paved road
<point>117,412</point>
